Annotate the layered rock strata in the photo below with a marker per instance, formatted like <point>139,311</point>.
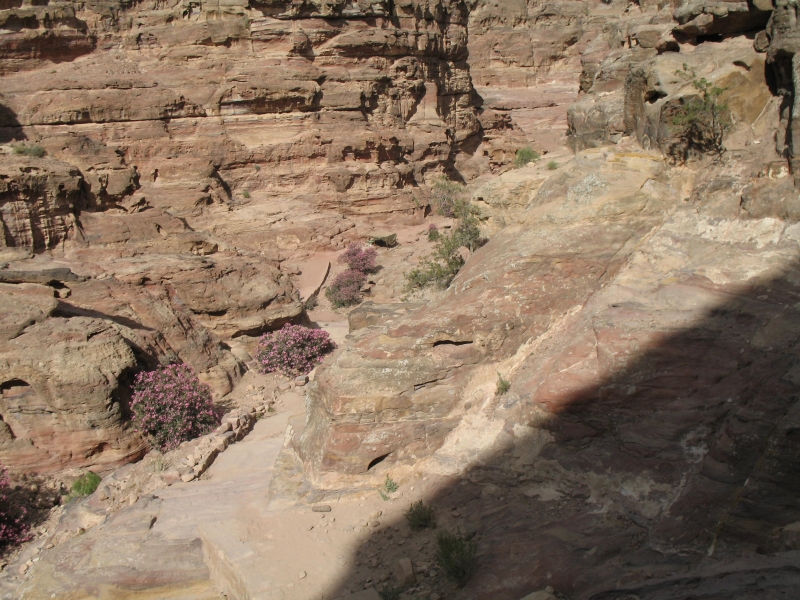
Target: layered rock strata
<point>353,105</point>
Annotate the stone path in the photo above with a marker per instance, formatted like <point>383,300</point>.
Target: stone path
<point>215,535</point>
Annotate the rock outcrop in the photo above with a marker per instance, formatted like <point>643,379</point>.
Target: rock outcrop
<point>638,88</point>
<point>63,386</point>
<point>646,335</point>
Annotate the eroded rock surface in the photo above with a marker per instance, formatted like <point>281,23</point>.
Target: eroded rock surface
<point>649,341</point>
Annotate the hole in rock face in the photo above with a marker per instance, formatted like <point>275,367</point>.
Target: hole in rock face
<point>451,343</point>
<point>376,461</point>
<point>653,96</point>
<point>14,388</point>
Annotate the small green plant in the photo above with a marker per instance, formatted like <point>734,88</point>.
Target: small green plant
<point>390,592</point>
<point>246,195</point>
<point>525,156</point>
<point>390,485</point>
<point>34,150</point>
<point>158,464</point>
<point>433,233</point>
<point>456,556</point>
<point>687,73</point>
<point>703,121</point>
<point>503,385</point>
<point>420,516</point>
<point>257,168</point>
<point>552,165</point>
<point>85,485</point>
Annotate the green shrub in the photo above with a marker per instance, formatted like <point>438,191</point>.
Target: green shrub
<point>34,150</point>
<point>390,592</point>
<point>246,195</point>
<point>552,165</point>
<point>86,484</point>
<point>439,269</point>
<point>390,485</point>
<point>525,156</point>
<point>445,196</point>
<point>703,121</point>
<point>456,556</point>
<point>420,516</point>
<point>503,385</point>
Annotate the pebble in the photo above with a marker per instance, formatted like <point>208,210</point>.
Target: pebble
<point>303,574</point>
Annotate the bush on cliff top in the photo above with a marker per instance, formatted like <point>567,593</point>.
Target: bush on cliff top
<point>170,405</point>
<point>294,350</point>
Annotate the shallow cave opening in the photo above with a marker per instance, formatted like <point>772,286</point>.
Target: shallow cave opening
<point>377,460</point>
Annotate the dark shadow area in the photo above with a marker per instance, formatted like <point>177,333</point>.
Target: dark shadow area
<point>667,470</point>
<point>10,128</point>
<point>70,310</point>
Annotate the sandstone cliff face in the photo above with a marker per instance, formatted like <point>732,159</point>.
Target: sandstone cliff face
<point>190,148</point>
<point>349,104</point>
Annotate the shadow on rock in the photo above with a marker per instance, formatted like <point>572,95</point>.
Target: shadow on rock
<point>650,456</point>
<point>10,128</point>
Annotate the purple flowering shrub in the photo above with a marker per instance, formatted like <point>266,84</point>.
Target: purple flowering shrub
<point>345,289</point>
<point>13,524</point>
<point>170,405</point>
<point>360,258</point>
<point>293,350</point>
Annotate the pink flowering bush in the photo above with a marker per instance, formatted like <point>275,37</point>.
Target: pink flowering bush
<point>13,524</point>
<point>293,350</point>
<point>345,289</point>
<point>360,258</point>
<point>171,406</point>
